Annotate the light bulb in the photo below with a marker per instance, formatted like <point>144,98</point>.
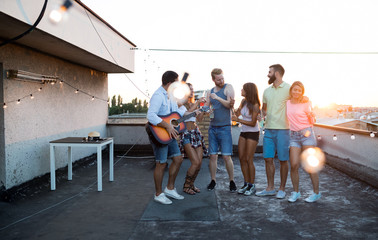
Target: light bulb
<point>93,98</point>
<point>77,90</point>
<point>5,105</point>
<point>56,15</point>
<point>319,137</point>
<point>372,134</point>
<point>40,89</point>
<point>352,137</point>
<point>18,101</point>
<point>334,138</point>
<point>31,96</point>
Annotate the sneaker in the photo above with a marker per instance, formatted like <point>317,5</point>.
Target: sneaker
<point>232,186</point>
<point>266,193</point>
<point>280,194</point>
<point>250,190</point>
<point>243,189</point>
<point>173,194</point>
<point>162,199</point>
<point>294,196</point>
<point>314,197</point>
<point>211,185</point>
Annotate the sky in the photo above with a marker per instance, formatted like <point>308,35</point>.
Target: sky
<point>277,29</point>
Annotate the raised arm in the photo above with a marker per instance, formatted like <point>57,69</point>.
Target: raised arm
<point>229,92</point>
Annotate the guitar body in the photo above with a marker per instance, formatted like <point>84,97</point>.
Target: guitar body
<point>161,134</point>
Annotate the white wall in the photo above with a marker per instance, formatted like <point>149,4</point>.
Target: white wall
<point>54,113</point>
<point>363,150</point>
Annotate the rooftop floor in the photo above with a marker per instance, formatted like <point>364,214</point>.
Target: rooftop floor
<point>125,208</point>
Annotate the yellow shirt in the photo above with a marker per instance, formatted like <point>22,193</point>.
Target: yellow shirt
<point>275,99</point>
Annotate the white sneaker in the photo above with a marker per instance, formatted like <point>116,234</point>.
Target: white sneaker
<point>294,196</point>
<point>250,191</point>
<point>162,199</point>
<point>243,189</point>
<point>173,194</point>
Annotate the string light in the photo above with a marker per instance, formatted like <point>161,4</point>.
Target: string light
<point>334,138</point>
<point>372,134</point>
<point>32,96</point>
<point>56,15</point>
<point>319,137</point>
<point>352,137</point>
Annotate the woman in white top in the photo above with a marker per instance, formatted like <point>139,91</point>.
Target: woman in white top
<point>193,143</point>
<point>249,109</point>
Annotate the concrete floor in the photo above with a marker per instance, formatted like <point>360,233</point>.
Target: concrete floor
<point>124,209</point>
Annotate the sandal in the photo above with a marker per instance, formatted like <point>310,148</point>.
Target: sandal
<point>188,187</point>
<point>196,189</point>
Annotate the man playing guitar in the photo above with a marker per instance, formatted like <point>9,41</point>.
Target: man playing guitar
<point>161,105</point>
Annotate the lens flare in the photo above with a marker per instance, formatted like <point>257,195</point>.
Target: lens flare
<point>312,160</point>
<point>179,92</point>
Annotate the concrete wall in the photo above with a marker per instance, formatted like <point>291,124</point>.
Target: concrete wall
<point>54,113</point>
<point>363,150</point>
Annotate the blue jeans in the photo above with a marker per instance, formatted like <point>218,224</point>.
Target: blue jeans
<point>162,153</point>
<point>304,137</point>
<point>220,137</point>
<point>276,140</point>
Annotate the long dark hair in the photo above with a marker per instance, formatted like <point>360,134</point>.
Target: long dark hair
<point>251,96</point>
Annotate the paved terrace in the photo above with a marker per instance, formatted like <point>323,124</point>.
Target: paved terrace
<point>125,209</point>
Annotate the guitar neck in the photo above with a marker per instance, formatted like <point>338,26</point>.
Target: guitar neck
<point>186,117</point>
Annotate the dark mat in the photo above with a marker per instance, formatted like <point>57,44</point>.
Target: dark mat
<point>199,207</point>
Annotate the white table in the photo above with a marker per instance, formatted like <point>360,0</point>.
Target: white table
<point>81,142</point>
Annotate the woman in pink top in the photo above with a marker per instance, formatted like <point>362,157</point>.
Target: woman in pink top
<point>301,120</point>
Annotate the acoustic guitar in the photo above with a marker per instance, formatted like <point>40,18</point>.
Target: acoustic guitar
<point>161,135</point>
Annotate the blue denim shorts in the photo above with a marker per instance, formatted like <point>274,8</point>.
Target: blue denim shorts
<point>220,138</point>
<point>276,140</point>
<point>163,152</point>
<point>304,137</point>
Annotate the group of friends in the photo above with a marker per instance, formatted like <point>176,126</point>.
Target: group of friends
<point>288,122</point>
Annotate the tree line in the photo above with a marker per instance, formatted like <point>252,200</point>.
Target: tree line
<point>116,106</point>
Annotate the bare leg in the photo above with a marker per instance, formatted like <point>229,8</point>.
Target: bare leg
<point>294,163</point>
<point>213,166</point>
<point>250,152</point>
<point>173,171</point>
<point>243,158</point>
<point>229,166</point>
<point>314,177</point>
<point>270,169</point>
<point>158,177</point>
<point>284,171</point>
<point>193,157</point>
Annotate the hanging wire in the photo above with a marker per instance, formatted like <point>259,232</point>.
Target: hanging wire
<point>30,29</point>
<point>115,61</point>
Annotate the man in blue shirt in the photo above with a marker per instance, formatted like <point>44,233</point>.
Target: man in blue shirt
<point>161,105</point>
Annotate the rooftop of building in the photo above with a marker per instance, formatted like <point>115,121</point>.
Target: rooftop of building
<point>125,208</point>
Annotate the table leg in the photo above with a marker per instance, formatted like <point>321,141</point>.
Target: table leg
<point>99,169</point>
<point>111,162</point>
<point>52,167</point>
<point>69,163</point>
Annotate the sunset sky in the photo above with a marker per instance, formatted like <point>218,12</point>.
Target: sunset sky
<point>282,27</point>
